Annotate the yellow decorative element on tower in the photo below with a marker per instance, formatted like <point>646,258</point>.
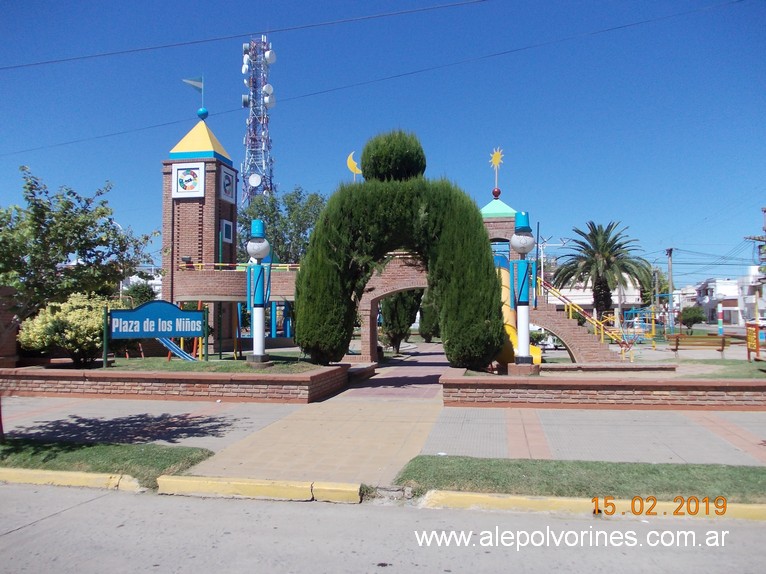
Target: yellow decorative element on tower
<point>496,158</point>
<point>200,142</point>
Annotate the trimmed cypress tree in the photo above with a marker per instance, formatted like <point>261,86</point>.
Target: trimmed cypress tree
<point>361,223</point>
<point>429,318</point>
<point>395,155</point>
<point>399,313</point>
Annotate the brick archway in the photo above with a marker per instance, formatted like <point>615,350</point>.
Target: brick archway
<point>402,273</point>
<point>406,271</point>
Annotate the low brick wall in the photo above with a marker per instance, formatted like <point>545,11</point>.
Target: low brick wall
<point>260,386</point>
<point>494,391</point>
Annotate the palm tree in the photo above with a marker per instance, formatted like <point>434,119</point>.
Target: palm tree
<point>603,258</point>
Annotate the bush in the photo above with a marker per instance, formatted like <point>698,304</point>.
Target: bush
<point>75,326</point>
<point>690,316</point>
<point>537,337</point>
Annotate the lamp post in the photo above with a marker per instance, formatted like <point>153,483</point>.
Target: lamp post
<point>522,243</point>
<point>258,249</point>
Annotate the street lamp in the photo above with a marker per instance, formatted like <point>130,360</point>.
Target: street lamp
<point>258,249</point>
<point>522,243</point>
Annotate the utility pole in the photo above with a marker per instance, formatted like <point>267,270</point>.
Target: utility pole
<point>671,317</point>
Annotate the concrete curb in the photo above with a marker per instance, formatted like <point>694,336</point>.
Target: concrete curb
<point>485,501</point>
<point>122,482</point>
<point>259,489</point>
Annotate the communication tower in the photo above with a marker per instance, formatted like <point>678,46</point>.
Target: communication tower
<point>258,168</point>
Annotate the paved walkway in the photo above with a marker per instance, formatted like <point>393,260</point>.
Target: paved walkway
<point>369,432</point>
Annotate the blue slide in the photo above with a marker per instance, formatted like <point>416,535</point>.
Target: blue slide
<point>175,349</point>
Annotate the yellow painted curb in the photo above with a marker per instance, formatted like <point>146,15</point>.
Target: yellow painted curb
<point>623,507</point>
<point>67,478</point>
<point>222,486</point>
<point>337,492</point>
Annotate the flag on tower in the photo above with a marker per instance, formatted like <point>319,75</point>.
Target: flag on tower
<point>196,83</point>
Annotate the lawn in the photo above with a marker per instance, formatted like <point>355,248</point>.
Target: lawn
<point>145,462</point>
<point>285,362</point>
<point>729,368</point>
<point>584,479</point>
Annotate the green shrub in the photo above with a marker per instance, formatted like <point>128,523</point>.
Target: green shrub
<point>690,316</point>
<point>75,327</point>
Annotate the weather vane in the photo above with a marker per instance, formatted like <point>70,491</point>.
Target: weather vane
<point>496,160</point>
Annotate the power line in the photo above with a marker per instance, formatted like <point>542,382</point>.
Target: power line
<point>356,84</point>
<point>235,36</point>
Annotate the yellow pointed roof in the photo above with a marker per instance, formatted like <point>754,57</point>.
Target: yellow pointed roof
<point>200,142</point>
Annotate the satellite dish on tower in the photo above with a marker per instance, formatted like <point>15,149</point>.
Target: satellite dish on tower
<point>245,69</point>
<point>268,89</point>
<point>270,57</point>
<point>270,101</point>
<point>254,180</point>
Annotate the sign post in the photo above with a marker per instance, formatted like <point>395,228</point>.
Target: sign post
<point>153,320</point>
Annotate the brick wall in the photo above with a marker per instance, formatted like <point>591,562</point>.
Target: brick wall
<point>257,387</point>
<point>8,355</point>
<point>493,391</point>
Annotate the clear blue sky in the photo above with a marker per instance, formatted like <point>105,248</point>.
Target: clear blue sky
<point>648,112</point>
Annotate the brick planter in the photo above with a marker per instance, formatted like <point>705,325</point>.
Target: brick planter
<point>494,391</point>
<point>257,387</point>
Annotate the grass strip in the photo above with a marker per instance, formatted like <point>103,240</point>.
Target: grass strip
<point>282,365</point>
<point>145,462</point>
<point>729,369</point>
<point>584,479</point>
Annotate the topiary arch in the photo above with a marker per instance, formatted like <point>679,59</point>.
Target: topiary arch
<point>360,225</point>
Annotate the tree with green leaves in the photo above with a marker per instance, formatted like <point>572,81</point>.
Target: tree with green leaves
<point>604,258</point>
<point>288,218</point>
<point>139,293</point>
<point>659,285</point>
<point>399,313</point>
<point>63,243</point>
<point>364,222</point>
<point>690,316</point>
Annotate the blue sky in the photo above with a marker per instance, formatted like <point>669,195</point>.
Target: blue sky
<point>648,112</point>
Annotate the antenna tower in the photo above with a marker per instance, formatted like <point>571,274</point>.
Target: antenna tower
<point>258,168</point>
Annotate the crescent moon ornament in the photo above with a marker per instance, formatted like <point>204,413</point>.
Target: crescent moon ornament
<point>352,166</point>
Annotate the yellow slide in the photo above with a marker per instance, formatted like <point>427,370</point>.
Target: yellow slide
<point>507,354</point>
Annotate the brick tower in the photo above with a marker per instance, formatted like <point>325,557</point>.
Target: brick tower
<point>199,214</point>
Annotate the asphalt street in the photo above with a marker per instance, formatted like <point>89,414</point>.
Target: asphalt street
<point>82,531</point>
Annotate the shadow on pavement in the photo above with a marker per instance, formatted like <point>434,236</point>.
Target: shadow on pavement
<point>140,428</point>
<point>397,381</point>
